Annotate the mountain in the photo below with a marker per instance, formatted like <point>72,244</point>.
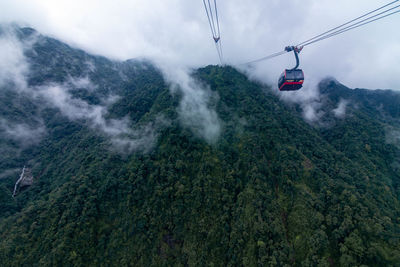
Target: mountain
<point>124,172</point>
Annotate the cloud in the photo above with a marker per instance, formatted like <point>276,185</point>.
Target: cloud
<point>26,135</point>
<point>312,102</point>
<point>124,136</point>
<point>393,136</point>
<point>141,138</point>
<point>309,99</point>
<point>82,82</point>
<point>177,31</point>
<point>311,113</point>
<point>340,110</point>
<point>13,66</point>
<point>195,109</point>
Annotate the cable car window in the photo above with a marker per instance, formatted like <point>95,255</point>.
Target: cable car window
<point>299,75</point>
<point>290,75</point>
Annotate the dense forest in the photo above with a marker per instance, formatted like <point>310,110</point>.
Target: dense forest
<point>271,190</point>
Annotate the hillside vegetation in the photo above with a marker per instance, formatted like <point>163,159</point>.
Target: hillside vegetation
<point>273,190</point>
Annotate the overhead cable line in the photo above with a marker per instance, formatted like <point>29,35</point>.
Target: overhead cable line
<point>344,24</point>
<point>216,16</point>
<point>355,25</point>
<point>351,27</point>
<point>212,19</point>
<point>339,29</point>
<point>265,58</point>
<point>214,25</point>
<point>218,45</point>
<point>219,32</point>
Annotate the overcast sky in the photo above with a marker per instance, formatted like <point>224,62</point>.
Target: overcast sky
<point>177,31</point>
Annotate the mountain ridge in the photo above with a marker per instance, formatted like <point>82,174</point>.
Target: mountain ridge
<point>273,190</point>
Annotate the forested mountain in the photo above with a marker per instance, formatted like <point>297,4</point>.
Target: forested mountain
<point>122,178</point>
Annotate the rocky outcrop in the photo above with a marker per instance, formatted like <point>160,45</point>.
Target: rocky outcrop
<point>25,179</point>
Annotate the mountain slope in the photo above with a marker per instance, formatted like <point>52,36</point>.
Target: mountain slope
<point>272,190</point>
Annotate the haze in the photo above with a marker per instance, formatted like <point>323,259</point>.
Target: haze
<point>176,31</point>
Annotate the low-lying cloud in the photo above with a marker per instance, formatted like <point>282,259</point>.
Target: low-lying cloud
<point>393,136</point>
<point>22,133</point>
<point>313,103</point>
<point>309,99</point>
<point>13,66</point>
<point>124,136</point>
<point>340,110</point>
<point>195,109</point>
<point>178,31</point>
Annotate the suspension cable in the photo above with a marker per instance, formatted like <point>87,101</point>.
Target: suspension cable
<point>219,52</point>
<point>220,47</point>
<point>214,26</point>
<point>344,24</point>
<point>354,26</point>
<point>209,19</point>
<point>264,58</point>
<point>216,15</point>
<point>337,30</point>
<point>212,18</point>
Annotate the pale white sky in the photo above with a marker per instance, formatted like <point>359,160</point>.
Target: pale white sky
<point>177,31</point>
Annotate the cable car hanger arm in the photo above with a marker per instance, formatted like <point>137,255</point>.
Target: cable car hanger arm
<point>295,50</point>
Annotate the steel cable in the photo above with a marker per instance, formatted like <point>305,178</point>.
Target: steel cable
<point>344,24</point>
<point>353,26</point>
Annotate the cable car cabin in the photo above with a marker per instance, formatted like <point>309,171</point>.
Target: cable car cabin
<point>291,80</point>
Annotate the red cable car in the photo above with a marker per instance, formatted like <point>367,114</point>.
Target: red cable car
<point>291,79</point>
